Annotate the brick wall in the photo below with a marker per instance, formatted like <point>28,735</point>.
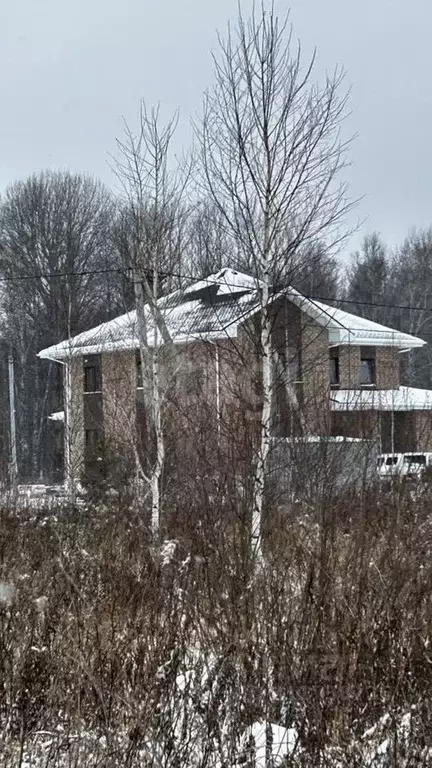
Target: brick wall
<point>403,431</point>
<point>195,436</point>
<point>241,396</point>
<point>423,430</point>
<point>362,424</point>
<point>240,376</point>
<point>315,377</point>
<point>349,367</point>
<point>119,397</point>
<point>387,368</point>
<point>301,398</point>
<point>286,343</point>
<point>398,431</point>
<point>76,426</point>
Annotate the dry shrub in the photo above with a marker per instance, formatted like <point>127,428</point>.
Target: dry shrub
<point>145,657</point>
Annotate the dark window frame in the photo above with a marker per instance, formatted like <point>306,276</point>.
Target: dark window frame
<point>138,370</point>
<point>334,371</point>
<point>368,364</point>
<point>93,439</point>
<point>92,374</point>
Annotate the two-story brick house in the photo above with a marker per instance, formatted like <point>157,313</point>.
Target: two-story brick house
<point>334,373</point>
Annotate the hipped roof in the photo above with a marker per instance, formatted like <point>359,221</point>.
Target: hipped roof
<point>215,308</point>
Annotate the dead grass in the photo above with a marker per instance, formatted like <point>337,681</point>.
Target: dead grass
<point>331,634</point>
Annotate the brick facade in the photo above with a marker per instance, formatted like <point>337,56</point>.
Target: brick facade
<point>119,382</point>
<point>301,398</point>
<point>423,430</point>
<point>387,364</point>
<point>75,419</point>
<point>349,366</point>
<point>315,377</point>
<point>387,367</point>
<point>360,424</point>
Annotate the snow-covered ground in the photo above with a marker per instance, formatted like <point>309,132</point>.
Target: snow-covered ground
<point>260,746</point>
<point>35,496</point>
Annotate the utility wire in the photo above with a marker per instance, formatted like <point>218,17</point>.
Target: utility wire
<point>121,271</point>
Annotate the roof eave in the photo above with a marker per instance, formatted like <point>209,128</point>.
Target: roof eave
<point>403,342</point>
<point>59,354</point>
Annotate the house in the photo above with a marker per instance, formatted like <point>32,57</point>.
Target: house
<point>334,374</point>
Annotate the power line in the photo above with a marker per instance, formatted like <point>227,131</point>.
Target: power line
<point>50,275</point>
<point>184,276</point>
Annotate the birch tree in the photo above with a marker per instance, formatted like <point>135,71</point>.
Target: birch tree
<point>272,156</point>
<point>153,225</point>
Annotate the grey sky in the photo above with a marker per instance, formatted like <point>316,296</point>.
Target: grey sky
<point>70,70</point>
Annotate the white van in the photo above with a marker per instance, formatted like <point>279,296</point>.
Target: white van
<point>403,464</point>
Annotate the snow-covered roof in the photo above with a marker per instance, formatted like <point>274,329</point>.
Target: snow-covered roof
<point>346,328</point>
<point>209,309</point>
<point>215,308</point>
<point>402,399</point>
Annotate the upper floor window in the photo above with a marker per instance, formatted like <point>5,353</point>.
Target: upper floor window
<point>367,371</point>
<point>92,374</point>
<point>334,371</point>
<point>367,366</point>
<point>334,367</point>
<point>138,365</point>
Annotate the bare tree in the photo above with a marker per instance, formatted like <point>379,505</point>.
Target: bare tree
<point>154,218</point>
<point>411,286</point>
<point>369,278</point>
<point>210,243</point>
<point>318,273</point>
<point>272,153</point>
<point>59,279</point>
<point>394,287</point>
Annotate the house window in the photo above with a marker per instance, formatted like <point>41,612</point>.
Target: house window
<point>92,374</point>
<point>92,441</point>
<point>138,365</point>
<point>367,371</point>
<point>94,454</point>
<point>334,371</point>
<point>293,364</point>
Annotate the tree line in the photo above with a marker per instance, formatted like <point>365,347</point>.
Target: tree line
<point>398,280</point>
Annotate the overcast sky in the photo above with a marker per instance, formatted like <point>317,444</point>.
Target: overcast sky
<point>70,70</point>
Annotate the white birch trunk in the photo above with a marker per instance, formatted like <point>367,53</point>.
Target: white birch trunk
<point>154,203</point>
<point>153,406</point>
<point>13,442</point>
<point>264,446</point>
<point>69,470</point>
<point>157,469</point>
